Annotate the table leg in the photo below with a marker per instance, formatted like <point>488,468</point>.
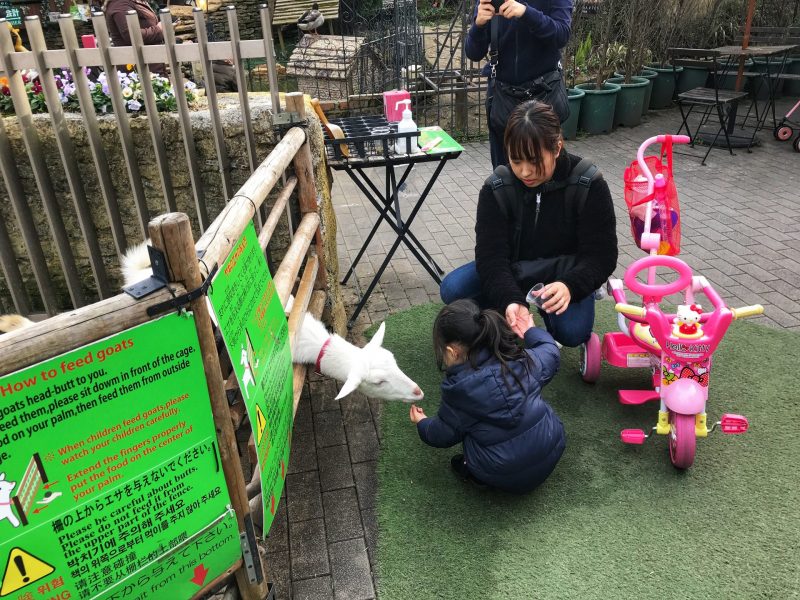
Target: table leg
<point>411,236</point>
<point>414,246</point>
<point>396,244</point>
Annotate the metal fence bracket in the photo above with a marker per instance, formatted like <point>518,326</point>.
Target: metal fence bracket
<point>247,540</point>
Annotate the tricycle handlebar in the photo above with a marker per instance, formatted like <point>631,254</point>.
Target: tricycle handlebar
<point>747,311</point>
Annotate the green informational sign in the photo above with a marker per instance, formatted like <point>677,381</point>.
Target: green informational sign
<point>111,484</point>
<point>254,327</point>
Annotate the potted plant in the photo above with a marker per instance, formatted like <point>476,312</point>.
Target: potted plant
<point>576,68</point>
<point>599,103</point>
<point>639,23</point>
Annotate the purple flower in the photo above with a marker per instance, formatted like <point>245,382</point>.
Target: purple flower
<point>134,105</point>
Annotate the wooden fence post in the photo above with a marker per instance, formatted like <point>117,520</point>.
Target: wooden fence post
<point>172,234</point>
<point>306,186</point>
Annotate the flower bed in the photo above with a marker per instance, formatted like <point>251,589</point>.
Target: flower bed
<point>132,92</point>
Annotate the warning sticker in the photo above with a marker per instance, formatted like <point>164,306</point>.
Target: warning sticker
<point>261,423</point>
<point>23,568</point>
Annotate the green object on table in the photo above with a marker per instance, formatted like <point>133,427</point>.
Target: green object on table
<point>448,144</point>
<point>612,521</point>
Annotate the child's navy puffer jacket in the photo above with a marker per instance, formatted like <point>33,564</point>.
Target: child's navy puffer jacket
<point>512,438</point>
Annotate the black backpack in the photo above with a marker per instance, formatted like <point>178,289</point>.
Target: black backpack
<point>577,185</point>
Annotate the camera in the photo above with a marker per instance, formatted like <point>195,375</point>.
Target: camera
<point>497,4</point>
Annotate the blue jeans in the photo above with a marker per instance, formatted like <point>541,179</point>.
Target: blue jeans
<point>571,328</point>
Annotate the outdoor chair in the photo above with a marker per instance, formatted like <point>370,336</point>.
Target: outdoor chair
<point>712,102</point>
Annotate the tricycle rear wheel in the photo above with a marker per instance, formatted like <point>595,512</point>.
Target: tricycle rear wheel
<point>682,440</point>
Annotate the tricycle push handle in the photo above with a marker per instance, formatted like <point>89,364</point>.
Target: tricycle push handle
<point>747,311</point>
<point>630,309</point>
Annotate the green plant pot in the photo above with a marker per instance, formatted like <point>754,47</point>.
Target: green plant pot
<point>690,78</point>
<point>728,80</point>
<point>569,128</point>
<point>792,88</point>
<point>758,85</point>
<point>597,109</point>
<point>628,107</point>
<point>650,75</point>
<point>663,85</point>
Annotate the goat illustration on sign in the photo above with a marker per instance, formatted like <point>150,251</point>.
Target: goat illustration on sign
<point>6,511</point>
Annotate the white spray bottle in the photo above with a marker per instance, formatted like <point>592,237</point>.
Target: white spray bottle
<point>407,124</point>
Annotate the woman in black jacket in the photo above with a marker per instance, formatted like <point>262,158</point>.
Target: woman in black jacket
<point>571,244</point>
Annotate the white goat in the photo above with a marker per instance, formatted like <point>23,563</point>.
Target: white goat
<point>372,370</point>
<point>13,322</point>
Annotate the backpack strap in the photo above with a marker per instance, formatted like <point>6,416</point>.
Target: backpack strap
<point>510,204</point>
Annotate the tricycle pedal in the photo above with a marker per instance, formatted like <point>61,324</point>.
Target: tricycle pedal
<point>633,436</point>
<point>733,424</point>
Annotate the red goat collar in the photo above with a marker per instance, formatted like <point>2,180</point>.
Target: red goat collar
<point>321,354</point>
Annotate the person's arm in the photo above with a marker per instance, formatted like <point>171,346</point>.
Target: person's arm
<point>441,431</point>
<point>476,44</point>
<point>544,349</point>
<point>555,25</point>
<point>597,243</point>
<point>153,35</point>
<point>493,254</point>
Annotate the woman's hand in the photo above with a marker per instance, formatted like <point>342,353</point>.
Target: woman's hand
<point>485,13</point>
<point>519,318</point>
<point>416,414</point>
<point>558,297</point>
<point>511,9</point>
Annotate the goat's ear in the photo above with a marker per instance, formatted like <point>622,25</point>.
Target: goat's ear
<point>353,381</point>
<point>377,339</point>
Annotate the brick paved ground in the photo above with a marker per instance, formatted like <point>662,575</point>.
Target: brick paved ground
<point>741,228</point>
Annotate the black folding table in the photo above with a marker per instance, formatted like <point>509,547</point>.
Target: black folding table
<point>370,144</point>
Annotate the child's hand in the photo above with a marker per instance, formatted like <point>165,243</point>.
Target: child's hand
<point>416,414</point>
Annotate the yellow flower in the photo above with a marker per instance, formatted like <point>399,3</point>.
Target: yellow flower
<point>127,92</point>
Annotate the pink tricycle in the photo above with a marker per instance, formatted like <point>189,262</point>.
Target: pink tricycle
<point>676,347</point>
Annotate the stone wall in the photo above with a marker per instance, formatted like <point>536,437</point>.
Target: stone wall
<point>212,184</point>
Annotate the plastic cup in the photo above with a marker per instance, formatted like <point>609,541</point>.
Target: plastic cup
<point>535,295</point>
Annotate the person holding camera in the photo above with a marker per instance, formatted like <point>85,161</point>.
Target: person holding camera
<point>524,41</point>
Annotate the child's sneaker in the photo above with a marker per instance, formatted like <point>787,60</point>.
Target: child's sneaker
<point>459,465</point>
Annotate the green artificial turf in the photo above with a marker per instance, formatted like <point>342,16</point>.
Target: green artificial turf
<point>612,521</point>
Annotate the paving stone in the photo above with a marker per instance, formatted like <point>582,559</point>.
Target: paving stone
<point>369,518</point>
<point>362,439</point>
<point>303,456</point>
<point>334,468</point>
<point>352,578</point>
<point>302,419</point>
<point>317,588</point>
<point>366,477</point>
<point>304,496</point>
<point>278,538</point>
<point>342,515</point>
<point>309,550</point>
<point>323,395</point>
<point>328,428</point>
<point>276,565</point>
<point>355,408</point>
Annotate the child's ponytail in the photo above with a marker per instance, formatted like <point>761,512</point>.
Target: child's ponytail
<point>463,322</point>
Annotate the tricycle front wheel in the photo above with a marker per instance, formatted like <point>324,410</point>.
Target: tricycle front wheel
<point>682,440</point>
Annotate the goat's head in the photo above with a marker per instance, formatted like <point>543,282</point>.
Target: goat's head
<point>377,375</point>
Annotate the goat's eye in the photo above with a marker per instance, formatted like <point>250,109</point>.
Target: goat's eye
<point>381,382</point>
